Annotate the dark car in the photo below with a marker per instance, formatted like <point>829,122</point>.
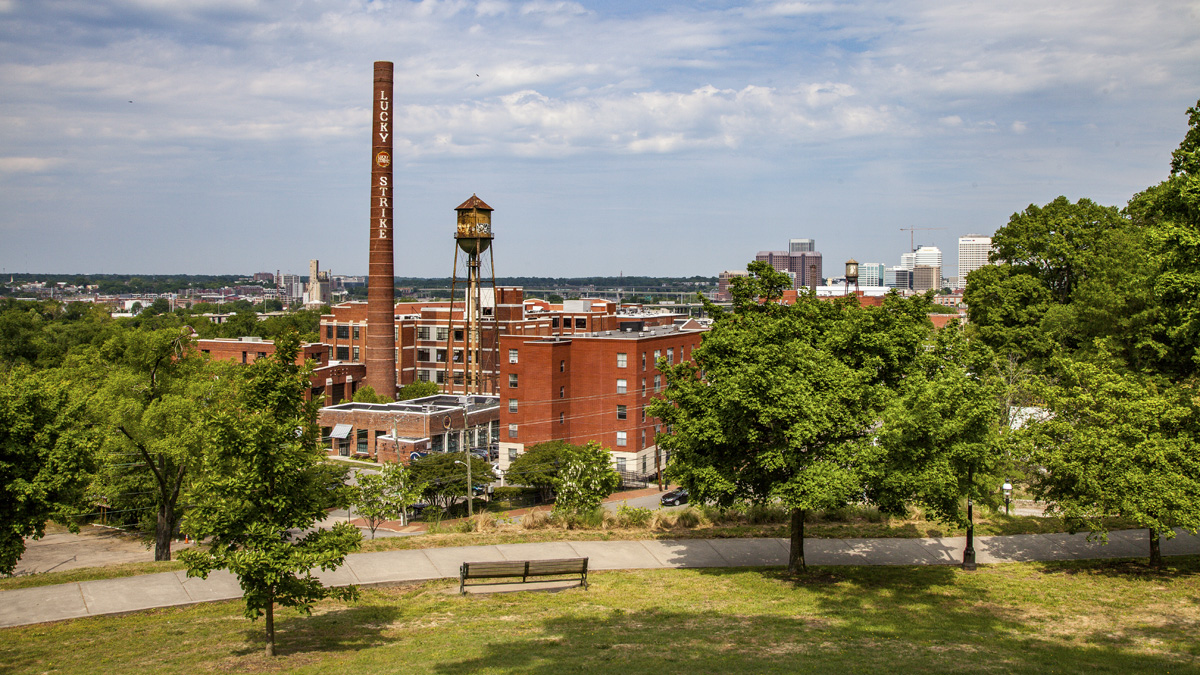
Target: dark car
<point>674,497</point>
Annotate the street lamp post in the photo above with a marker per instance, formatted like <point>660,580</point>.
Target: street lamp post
<point>1007,487</point>
<point>470,486</point>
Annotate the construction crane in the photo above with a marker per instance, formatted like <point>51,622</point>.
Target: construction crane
<point>912,237</point>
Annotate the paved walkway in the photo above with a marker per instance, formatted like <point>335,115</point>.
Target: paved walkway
<point>112,596</point>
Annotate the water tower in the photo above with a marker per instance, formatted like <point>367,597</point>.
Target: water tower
<point>472,356</point>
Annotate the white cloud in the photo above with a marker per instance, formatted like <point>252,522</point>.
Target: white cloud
<point>28,164</point>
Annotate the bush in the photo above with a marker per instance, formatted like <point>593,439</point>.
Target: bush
<point>535,520</point>
<point>524,496</point>
<point>689,517</point>
<point>590,519</point>
<point>633,516</point>
<point>663,519</point>
<point>764,514</point>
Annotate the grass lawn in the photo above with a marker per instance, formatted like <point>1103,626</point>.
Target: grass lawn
<point>1078,617</point>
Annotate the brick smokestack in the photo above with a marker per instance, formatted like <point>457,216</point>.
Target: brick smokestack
<point>381,301</point>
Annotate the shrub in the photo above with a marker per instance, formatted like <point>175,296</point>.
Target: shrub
<point>663,519</point>
<point>763,514</point>
<point>633,516</point>
<point>689,517</point>
<point>535,520</point>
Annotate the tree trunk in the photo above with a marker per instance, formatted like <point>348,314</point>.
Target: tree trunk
<point>796,551</point>
<point>1155,551</point>
<point>271,626</point>
<point>163,529</point>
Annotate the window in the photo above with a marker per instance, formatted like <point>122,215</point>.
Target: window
<point>512,380</point>
<point>355,328</point>
<point>658,383</point>
<point>512,454</point>
<point>343,353</point>
<point>562,392</point>
<point>562,418</point>
<point>423,375</point>
<point>343,332</point>
<point>328,331</point>
<point>670,356</point>
<point>643,360</point>
<point>512,405</point>
<point>441,356</point>
<point>657,355</point>
<point>643,447</point>
<point>361,446</point>
<point>643,386</point>
<point>435,443</point>
<point>580,322</point>
<point>458,335</point>
<point>512,356</point>
<point>442,333</point>
<point>458,356</point>
<point>621,442</point>
<point>422,354</point>
<point>554,322</point>
<point>562,366</point>
<point>643,413</point>
<point>621,359</point>
<point>621,386</point>
<point>423,332</point>
<point>441,377</point>
<point>621,464</point>
<point>512,431</point>
<point>622,412</point>
<point>355,352</point>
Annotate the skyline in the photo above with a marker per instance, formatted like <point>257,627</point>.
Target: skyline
<point>232,136</point>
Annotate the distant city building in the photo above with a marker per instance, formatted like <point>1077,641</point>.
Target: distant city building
<point>925,277</point>
<point>871,274</point>
<point>973,251</point>
<point>802,245</point>
<point>723,280</point>
<point>291,287</point>
<point>319,290</point>
<point>265,276</point>
<point>897,277</point>
<point>806,266</point>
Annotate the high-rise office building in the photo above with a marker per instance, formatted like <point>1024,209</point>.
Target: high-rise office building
<point>871,274</point>
<point>973,251</point>
<point>801,245</point>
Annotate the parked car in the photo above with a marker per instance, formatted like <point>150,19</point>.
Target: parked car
<point>674,497</point>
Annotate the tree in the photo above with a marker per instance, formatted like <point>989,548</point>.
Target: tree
<point>939,441</point>
<point>445,481</point>
<point>586,479</point>
<point>539,466</point>
<point>153,390</point>
<point>262,481</point>
<point>386,495</point>
<point>781,401</point>
<point>47,453</point>
<point>417,390</point>
<point>1119,444</point>
<point>366,394</point>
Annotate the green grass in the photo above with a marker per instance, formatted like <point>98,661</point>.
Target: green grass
<point>88,574</point>
<point>1079,617</point>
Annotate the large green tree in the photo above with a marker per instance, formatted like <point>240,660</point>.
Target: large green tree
<point>386,495</point>
<point>781,402</point>
<point>261,485</point>
<point>153,390</point>
<point>539,466</point>
<point>47,453</point>
<point>586,479</point>
<point>1119,444</point>
<point>940,438</point>
<point>445,480</point>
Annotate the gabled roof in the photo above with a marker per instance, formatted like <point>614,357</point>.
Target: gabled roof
<point>473,203</point>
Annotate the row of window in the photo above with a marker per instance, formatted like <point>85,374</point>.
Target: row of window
<point>622,436</point>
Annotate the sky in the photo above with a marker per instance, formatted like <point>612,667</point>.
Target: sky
<point>623,137</point>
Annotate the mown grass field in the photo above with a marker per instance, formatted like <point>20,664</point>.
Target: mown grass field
<point>1078,617</point>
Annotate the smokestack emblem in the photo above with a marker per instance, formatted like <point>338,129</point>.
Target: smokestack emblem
<point>383,159</point>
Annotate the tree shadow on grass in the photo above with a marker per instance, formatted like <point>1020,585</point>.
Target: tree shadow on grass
<point>831,620</point>
<point>340,629</point>
<point>1174,569</point>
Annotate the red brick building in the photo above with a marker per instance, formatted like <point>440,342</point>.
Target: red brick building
<point>430,336</point>
<point>391,432</point>
<point>589,386</point>
<point>331,381</point>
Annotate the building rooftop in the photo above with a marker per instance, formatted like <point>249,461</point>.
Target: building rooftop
<point>424,406</point>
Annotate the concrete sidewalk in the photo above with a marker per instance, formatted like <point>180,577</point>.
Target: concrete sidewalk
<point>113,596</point>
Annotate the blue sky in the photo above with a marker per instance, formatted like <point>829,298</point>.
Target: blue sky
<point>668,138</point>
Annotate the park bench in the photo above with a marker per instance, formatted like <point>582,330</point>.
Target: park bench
<point>523,569</point>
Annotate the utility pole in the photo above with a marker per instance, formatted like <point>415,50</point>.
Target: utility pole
<point>470,486</point>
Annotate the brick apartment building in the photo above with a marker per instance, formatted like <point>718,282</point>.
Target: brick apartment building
<point>589,386</point>
<point>331,381</point>
<point>430,335</point>
<point>393,431</point>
